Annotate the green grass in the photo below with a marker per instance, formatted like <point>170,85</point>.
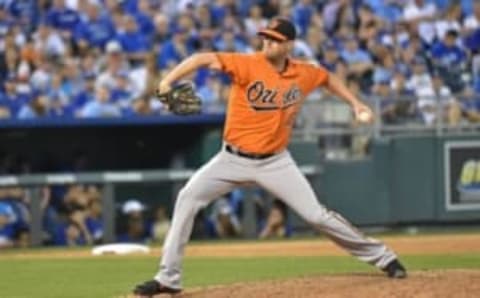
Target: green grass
<point>114,276</point>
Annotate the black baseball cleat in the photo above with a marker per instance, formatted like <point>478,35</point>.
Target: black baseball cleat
<point>152,287</point>
<point>395,269</point>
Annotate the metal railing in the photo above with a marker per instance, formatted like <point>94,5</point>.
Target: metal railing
<point>109,180</point>
<point>330,116</point>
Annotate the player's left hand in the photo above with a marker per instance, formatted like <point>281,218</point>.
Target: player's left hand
<point>163,88</point>
<point>181,99</point>
<point>363,113</point>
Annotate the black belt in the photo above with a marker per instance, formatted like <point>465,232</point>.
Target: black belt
<point>235,151</point>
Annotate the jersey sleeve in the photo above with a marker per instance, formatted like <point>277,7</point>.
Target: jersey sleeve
<point>235,65</point>
<point>317,76</point>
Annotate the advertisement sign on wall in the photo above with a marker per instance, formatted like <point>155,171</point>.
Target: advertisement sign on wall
<point>462,175</point>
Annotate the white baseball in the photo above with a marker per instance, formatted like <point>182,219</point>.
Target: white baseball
<point>364,116</point>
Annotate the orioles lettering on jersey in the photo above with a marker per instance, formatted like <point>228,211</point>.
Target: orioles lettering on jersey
<point>262,98</point>
<point>263,102</point>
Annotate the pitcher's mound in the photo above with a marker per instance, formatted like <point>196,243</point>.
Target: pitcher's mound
<point>441,283</point>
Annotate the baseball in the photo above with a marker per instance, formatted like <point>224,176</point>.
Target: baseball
<point>364,116</point>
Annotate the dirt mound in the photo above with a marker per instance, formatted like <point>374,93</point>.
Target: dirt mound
<point>424,284</point>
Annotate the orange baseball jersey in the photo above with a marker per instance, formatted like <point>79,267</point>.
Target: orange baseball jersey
<point>263,102</point>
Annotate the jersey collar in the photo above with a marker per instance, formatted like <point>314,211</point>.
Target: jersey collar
<point>289,70</point>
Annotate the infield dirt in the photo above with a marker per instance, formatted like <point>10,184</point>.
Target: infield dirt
<point>421,284</point>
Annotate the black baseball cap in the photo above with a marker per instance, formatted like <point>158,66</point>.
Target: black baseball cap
<point>279,29</point>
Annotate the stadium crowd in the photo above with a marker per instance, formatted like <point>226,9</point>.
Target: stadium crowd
<point>103,58</point>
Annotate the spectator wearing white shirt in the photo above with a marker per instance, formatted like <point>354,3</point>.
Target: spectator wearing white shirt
<point>313,42</point>
<point>472,22</point>
<point>73,4</point>
<point>451,21</point>
<point>48,41</point>
<point>115,62</point>
<point>255,21</point>
<point>471,28</point>
<point>420,82</point>
<point>421,15</point>
<point>430,92</point>
<point>42,76</point>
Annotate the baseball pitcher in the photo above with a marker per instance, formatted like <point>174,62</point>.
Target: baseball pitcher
<point>268,89</point>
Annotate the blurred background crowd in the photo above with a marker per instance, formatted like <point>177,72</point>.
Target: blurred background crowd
<point>72,216</point>
<point>103,58</point>
<point>415,61</point>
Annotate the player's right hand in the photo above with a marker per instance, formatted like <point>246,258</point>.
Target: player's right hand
<point>363,113</point>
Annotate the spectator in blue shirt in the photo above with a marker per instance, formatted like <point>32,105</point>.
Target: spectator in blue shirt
<point>25,12</point>
<point>447,53</point>
<point>17,203</point>
<point>174,50</point>
<point>10,98</point>
<point>330,56</point>
<point>137,229</point>
<point>385,71</point>
<point>162,30</point>
<point>359,62</point>
<point>450,61</point>
<point>219,11</point>
<point>55,90</point>
<point>472,40</point>
<point>302,13</point>
<point>211,94</point>
<point>101,106</point>
<point>143,17</point>
<point>390,11</point>
<point>230,43</point>
<point>130,5</point>
<point>37,107</point>
<point>353,55</point>
<point>134,42</point>
<point>7,231</point>
<point>95,30</point>
<point>223,222</point>
<point>122,93</point>
<point>87,94</point>
<point>72,77</point>
<point>63,18</point>
<point>70,234</point>
<point>93,221</point>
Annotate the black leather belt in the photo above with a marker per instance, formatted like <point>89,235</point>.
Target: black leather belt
<point>235,151</point>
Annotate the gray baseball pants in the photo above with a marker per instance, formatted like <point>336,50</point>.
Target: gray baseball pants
<point>279,175</point>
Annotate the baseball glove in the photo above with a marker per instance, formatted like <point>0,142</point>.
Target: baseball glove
<point>182,99</point>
